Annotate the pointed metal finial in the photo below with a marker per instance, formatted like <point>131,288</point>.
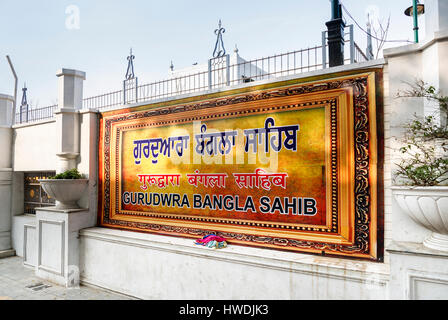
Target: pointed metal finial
<point>236,50</point>
<point>219,46</point>
<point>172,66</point>
<point>24,106</point>
<point>24,97</point>
<point>130,72</point>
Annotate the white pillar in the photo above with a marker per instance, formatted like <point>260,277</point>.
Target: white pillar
<point>436,16</point>
<point>6,105</point>
<point>88,164</point>
<point>70,92</point>
<point>70,88</point>
<point>57,230</point>
<point>434,67</point>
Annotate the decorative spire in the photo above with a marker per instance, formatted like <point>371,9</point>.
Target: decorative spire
<point>24,105</point>
<point>24,98</point>
<point>172,66</point>
<point>236,50</point>
<point>130,72</point>
<point>219,46</point>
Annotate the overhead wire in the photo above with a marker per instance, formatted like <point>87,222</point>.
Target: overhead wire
<point>368,33</point>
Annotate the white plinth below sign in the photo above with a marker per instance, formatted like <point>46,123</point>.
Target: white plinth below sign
<point>417,272</point>
<point>58,244</point>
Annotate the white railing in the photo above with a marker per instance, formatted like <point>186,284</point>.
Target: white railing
<point>222,73</point>
<point>26,114</point>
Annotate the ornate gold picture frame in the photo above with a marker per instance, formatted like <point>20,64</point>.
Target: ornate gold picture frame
<point>334,162</point>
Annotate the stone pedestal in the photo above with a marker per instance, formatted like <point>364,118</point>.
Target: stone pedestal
<point>336,42</point>
<point>417,273</point>
<point>58,244</point>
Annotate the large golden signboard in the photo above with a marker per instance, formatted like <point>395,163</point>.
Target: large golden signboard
<point>290,166</point>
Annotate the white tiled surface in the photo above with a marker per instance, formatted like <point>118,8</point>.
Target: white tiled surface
<point>15,278</point>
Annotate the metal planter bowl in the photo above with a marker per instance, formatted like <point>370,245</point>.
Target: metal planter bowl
<point>428,207</point>
<point>66,192</point>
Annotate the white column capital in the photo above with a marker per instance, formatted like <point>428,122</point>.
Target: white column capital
<point>71,73</point>
<point>70,88</point>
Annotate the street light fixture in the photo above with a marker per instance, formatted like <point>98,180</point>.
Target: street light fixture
<point>414,11</point>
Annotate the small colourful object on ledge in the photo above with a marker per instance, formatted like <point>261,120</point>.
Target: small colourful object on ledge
<point>212,241</point>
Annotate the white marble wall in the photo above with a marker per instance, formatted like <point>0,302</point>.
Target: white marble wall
<point>35,146</point>
<point>159,267</point>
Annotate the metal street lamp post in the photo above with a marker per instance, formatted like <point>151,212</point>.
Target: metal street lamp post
<point>414,11</point>
<point>336,35</point>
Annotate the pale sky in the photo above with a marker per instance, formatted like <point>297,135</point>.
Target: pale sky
<point>39,36</point>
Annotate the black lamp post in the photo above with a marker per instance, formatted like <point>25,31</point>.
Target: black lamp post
<point>336,35</point>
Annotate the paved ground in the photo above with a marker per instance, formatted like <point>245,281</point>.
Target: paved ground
<point>19,283</point>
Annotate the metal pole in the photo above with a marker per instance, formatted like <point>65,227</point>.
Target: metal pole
<point>124,91</point>
<point>324,49</point>
<point>136,90</point>
<point>14,107</point>
<point>210,74</point>
<point>352,44</point>
<point>228,69</point>
<point>336,35</point>
<point>415,13</point>
<point>335,10</point>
